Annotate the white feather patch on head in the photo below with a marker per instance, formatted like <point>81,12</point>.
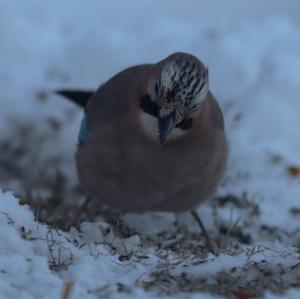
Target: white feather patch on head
<point>169,75</point>
<point>184,81</point>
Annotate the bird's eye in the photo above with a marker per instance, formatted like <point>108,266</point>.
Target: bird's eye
<point>171,95</point>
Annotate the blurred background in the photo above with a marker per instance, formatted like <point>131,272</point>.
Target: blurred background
<point>252,50</point>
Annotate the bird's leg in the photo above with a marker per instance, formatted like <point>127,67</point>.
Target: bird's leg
<point>75,219</point>
<point>208,241</point>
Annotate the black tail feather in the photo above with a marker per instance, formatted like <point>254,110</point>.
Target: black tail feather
<point>77,96</point>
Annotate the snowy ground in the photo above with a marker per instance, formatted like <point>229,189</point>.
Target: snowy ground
<point>253,54</point>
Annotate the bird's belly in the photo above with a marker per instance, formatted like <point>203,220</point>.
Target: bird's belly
<point>147,179</point>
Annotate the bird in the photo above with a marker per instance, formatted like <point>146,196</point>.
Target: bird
<point>152,138</point>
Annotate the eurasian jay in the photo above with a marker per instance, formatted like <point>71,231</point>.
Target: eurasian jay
<point>152,138</point>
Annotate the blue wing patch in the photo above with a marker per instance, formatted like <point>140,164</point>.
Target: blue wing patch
<point>84,133</point>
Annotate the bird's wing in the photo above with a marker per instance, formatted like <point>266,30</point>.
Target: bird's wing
<point>80,97</point>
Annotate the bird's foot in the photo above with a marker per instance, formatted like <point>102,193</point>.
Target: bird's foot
<point>120,228</point>
<point>124,230</point>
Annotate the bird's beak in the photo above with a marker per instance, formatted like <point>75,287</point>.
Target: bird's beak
<point>165,125</point>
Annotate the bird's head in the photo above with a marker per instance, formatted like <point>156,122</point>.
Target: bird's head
<point>175,93</point>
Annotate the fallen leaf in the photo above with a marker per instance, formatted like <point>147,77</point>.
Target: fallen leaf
<point>244,295</point>
<point>294,171</point>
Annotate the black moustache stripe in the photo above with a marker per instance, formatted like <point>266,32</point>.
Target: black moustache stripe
<point>148,106</point>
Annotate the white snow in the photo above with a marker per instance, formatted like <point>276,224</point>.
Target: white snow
<point>253,53</point>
